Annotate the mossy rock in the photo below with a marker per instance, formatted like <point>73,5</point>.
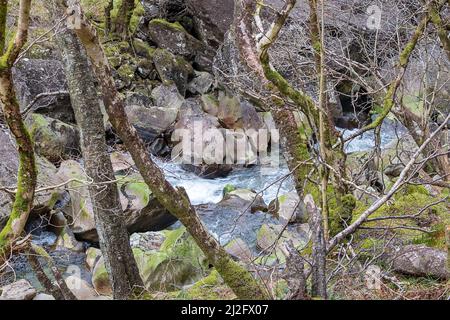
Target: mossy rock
<point>211,287</point>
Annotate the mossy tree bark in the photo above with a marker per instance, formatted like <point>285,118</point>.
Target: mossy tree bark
<point>174,200</point>
<point>26,176</point>
<point>114,239</point>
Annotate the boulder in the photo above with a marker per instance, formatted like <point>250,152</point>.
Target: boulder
<point>212,19</point>
<point>43,296</point>
<point>174,38</point>
<point>242,199</point>
<point>147,241</point>
<point>9,164</point>
<point>154,120</point>
<point>230,111</point>
<point>238,249</point>
<point>35,76</point>
<point>173,69</point>
<point>421,261</point>
<point>178,262</point>
<point>167,96</point>
<point>274,246</point>
<point>142,212</point>
<point>80,288</point>
<point>19,290</point>
<point>201,84</point>
<point>210,104</point>
<point>92,257</point>
<point>289,208</point>
<point>54,139</point>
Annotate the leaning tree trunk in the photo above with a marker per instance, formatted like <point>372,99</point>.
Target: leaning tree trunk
<point>174,200</point>
<point>26,177</point>
<point>114,239</point>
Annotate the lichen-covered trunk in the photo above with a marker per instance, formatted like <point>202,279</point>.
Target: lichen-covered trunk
<point>26,176</point>
<point>174,200</point>
<point>114,239</point>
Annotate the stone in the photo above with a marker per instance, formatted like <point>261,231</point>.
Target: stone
<point>80,288</point>
<point>54,139</point>
<point>212,19</point>
<point>147,241</point>
<point>19,290</point>
<point>174,38</point>
<point>154,120</point>
<point>178,262</point>
<point>173,69</point>
<point>289,208</point>
<point>9,164</point>
<point>122,162</point>
<point>167,96</point>
<point>210,104</point>
<point>421,261</point>
<point>230,111</point>
<point>43,296</point>
<point>241,199</point>
<point>201,84</point>
<point>35,76</point>
<point>237,248</point>
<point>92,257</point>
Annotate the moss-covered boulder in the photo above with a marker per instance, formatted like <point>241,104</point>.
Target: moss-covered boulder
<point>178,262</point>
<point>211,287</point>
<point>173,69</point>
<point>53,139</point>
<point>174,38</point>
<point>9,164</point>
<point>243,199</point>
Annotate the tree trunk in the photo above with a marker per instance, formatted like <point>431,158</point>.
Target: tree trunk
<point>174,200</point>
<point>26,176</point>
<point>114,239</point>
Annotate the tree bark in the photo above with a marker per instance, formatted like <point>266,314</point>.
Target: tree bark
<point>174,200</point>
<point>26,176</point>
<point>122,21</point>
<point>114,239</point>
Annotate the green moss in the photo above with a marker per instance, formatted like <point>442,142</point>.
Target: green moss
<point>208,288</point>
<point>228,188</point>
<point>176,25</point>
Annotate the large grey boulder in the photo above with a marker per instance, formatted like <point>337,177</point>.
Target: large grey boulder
<point>419,260</point>
<point>19,290</point>
<point>9,164</point>
<point>173,69</point>
<point>174,38</point>
<point>35,76</point>
<point>212,19</point>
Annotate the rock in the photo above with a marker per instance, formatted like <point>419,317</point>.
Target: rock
<point>173,69</point>
<point>79,211</point>
<point>122,162</point>
<point>227,189</point>
<point>43,296</point>
<point>419,260</point>
<point>92,257</point>
<point>394,170</point>
<point>210,104</point>
<point>67,240</point>
<point>147,241</point>
<point>174,38</point>
<point>201,84</point>
<point>209,171</point>
<point>241,199</point>
<point>230,111</point>
<point>54,139</point>
<point>19,290</point>
<point>212,19</point>
<point>142,212</point>
<point>100,279</point>
<point>178,262</point>
<point>239,249</point>
<point>288,207</point>
<point>211,287</point>
<point>35,76</point>
<point>80,288</point>
<point>167,96</point>
<point>9,164</point>
<point>268,239</point>
<point>154,120</point>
